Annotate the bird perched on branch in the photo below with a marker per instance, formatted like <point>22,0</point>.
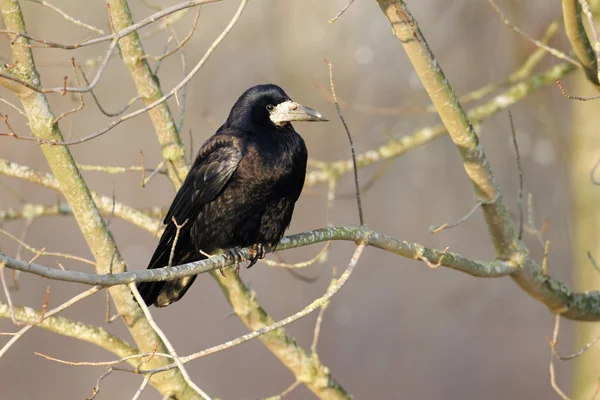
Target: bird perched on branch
<point>240,191</point>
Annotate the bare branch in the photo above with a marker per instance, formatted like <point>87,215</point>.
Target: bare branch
<point>553,344</point>
<point>343,10</point>
<point>333,289</point>
<point>302,264</point>
<point>116,35</point>
<point>585,7</point>
<point>556,53</point>
<point>436,229</point>
<point>339,111</point>
<point>68,17</point>
<point>179,44</point>
<point>410,250</point>
<point>578,38</point>
<point>396,147</point>
<point>168,344</point>
<point>520,172</point>
<point>50,313</point>
<point>568,96</point>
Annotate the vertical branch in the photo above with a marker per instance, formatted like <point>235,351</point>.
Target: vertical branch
<point>361,218</point>
<point>306,369</point>
<point>455,120</point>
<point>148,88</point>
<point>99,239</point>
<point>578,38</point>
<point>583,153</point>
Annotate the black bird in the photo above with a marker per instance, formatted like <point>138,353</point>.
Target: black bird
<point>240,191</point>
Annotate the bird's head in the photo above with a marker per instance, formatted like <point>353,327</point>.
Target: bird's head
<point>268,106</point>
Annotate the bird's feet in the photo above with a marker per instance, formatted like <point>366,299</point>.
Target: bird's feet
<point>238,257</point>
<point>258,253</point>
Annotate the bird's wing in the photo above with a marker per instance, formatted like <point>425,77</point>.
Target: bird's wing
<point>216,162</point>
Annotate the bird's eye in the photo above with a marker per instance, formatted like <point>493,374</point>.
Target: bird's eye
<point>270,107</point>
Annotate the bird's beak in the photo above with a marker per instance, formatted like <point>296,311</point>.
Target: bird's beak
<point>289,111</point>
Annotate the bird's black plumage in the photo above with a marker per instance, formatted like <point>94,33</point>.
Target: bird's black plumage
<point>241,189</point>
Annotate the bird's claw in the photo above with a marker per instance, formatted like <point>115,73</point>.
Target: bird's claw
<point>258,253</point>
<point>238,257</point>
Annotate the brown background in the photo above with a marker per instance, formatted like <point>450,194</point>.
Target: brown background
<point>398,329</point>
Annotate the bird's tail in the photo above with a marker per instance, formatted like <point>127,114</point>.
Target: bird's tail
<point>163,293</point>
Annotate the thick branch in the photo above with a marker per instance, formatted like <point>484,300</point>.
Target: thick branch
<point>356,234</point>
<point>456,122</point>
<point>530,277</point>
<point>149,89</point>
<point>557,296</point>
<point>578,38</point>
<point>43,125</point>
<point>106,204</point>
<point>75,329</point>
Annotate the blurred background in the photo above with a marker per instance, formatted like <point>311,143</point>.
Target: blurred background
<point>398,329</point>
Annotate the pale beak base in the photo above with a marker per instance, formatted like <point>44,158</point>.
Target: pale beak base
<point>289,111</point>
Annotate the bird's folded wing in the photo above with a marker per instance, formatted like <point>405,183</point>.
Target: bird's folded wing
<point>216,162</point>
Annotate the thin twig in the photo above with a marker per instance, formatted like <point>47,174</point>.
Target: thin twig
<point>50,313</point>
<point>339,111</point>
<point>570,97</point>
<point>343,10</point>
<point>97,101</point>
<point>115,170</point>
<point>593,261</point>
<point>80,95</point>
<point>44,306</point>
<point>442,255</point>
<point>520,172</point>
<point>178,227</point>
<point>319,322</point>
<point>14,107</point>
<point>279,324</point>
<point>142,387</point>
<point>436,229</point>
<point>302,264</point>
<point>191,160</point>
<point>115,35</point>
<point>285,392</point>
<point>8,298</point>
<point>593,173</point>
<point>165,97</point>
<point>553,344</point>
<point>15,274</point>
<point>556,53</point>
<point>545,258</point>
<point>179,44</point>
<point>577,354</point>
<point>96,389</point>
<point>523,72</point>
<point>68,17</point>
<point>166,342</point>
<point>43,252</point>
<point>104,363</point>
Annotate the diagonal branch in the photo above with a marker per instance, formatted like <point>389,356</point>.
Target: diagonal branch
<point>75,329</point>
<point>579,40</point>
<point>99,239</point>
<point>457,123</point>
<point>530,277</point>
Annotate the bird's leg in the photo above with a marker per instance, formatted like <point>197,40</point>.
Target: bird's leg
<point>238,257</point>
<point>258,253</point>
